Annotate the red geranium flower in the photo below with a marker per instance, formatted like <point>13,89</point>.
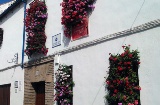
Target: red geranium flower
<point>130,55</point>
<point>107,82</point>
<point>115,90</point>
<point>120,68</point>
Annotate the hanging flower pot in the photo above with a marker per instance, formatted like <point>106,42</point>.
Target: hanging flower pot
<point>74,12</point>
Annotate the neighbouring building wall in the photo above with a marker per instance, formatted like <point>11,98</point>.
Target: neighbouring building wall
<point>9,77</point>
<point>12,25</point>
<point>3,7</point>
<point>91,63</point>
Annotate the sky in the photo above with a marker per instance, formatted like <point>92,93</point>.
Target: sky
<point>4,1</point>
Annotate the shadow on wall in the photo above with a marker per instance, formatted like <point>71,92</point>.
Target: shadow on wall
<point>36,56</point>
<point>11,13</point>
<point>65,40</point>
<point>105,100</point>
<point>106,103</point>
<point>91,9</point>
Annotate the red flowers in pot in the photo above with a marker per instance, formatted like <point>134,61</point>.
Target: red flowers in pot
<point>74,12</point>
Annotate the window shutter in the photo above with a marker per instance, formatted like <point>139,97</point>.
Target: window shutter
<point>80,30</point>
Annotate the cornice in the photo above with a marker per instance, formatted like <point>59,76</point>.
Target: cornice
<point>137,29</point>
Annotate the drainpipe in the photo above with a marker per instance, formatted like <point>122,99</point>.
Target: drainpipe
<point>23,43</point>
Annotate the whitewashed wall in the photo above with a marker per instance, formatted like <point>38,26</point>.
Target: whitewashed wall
<point>9,77</point>
<point>90,64</point>
<point>108,17</point>
<point>12,25</point>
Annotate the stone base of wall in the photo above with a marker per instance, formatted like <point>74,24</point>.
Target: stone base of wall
<point>36,73</point>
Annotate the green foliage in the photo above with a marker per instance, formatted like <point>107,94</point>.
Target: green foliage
<point>123,82</point>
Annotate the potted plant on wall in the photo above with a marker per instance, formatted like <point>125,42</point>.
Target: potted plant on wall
<point>36,17</point>
<point>74,12</point>
<point>123,82</point>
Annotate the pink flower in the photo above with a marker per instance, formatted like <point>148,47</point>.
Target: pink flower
<point>130,55</point>
<point>115,91</point>
<point>108,82</point>
<point>123,47</point>
<point>136,102</point>
<point>119,103</point>
<point>120,68</point>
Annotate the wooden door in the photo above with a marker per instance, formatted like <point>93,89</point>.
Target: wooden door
<point>5,94</point>
<point>40,92</point>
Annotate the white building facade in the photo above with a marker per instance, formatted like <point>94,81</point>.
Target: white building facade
<point>111,25</point>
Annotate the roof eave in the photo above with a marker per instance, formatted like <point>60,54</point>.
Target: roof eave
<point>10,8</point>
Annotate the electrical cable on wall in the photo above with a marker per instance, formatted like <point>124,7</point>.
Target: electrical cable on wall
<point>132,24</point>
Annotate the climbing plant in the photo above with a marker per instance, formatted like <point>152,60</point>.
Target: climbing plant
<point>123,82</point>
<point>36,17</point>
<point>64,85</point>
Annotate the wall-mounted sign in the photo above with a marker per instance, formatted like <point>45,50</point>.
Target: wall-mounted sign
<point>16,90</point>
<point>56,40</point>
<point>16,84</point>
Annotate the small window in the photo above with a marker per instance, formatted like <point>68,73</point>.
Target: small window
<point>80,30</point>
<point>1,37</point>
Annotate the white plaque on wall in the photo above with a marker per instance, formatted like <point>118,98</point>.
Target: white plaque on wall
<point>16,90</point>
<point>56,40</point>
